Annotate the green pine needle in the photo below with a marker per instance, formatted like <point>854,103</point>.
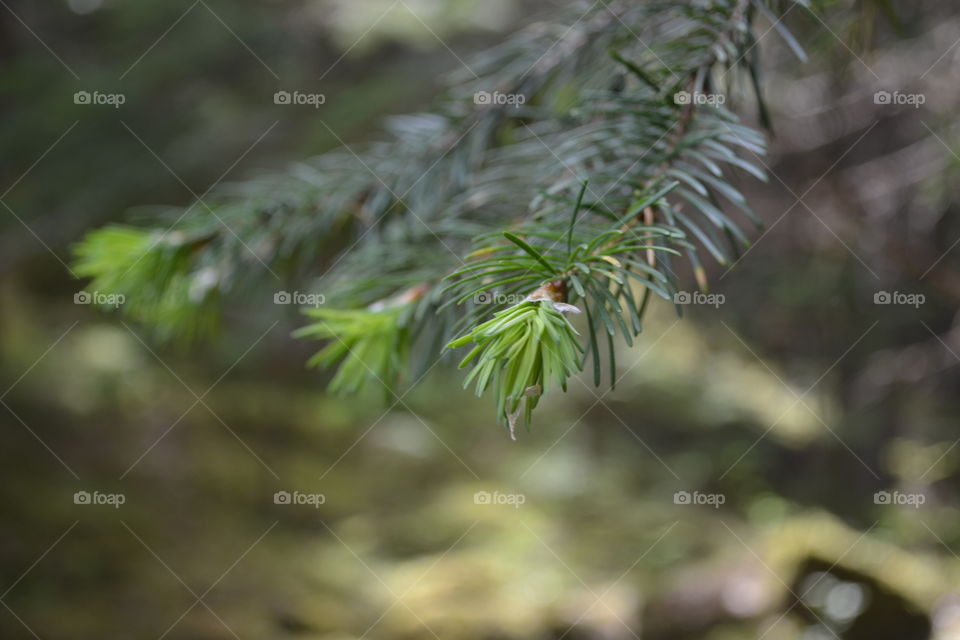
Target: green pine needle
<point>520,352</point>
<point>371,347</point>
<point>156,277</point>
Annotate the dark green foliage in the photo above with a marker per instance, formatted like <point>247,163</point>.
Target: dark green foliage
<point>597,173</point>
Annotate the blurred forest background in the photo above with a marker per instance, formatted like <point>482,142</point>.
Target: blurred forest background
<point>824,420</point>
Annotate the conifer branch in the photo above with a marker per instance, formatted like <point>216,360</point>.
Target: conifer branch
<point>586,160</point>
